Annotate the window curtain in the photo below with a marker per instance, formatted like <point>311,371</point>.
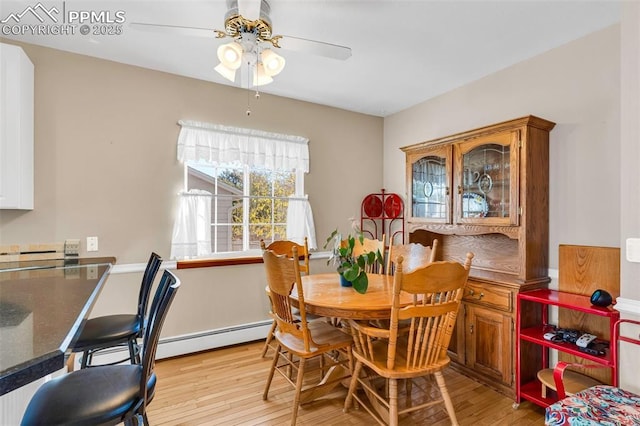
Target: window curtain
<point>207,143</point>
<point>192,228</point>
<point>300,222</point>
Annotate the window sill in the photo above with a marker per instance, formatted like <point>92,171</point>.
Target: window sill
<point>209,263</point>
<point>231,261</point>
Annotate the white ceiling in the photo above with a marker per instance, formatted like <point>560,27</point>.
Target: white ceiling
<point>403,52</point>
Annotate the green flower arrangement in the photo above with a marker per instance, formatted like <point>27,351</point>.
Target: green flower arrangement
<point>350,267</point>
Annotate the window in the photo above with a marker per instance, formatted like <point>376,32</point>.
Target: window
<point>240,186</point>
<point>248,204</point>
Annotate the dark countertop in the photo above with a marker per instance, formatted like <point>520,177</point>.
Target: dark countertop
<point>43,305</point>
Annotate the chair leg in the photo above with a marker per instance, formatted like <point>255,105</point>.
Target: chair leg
<point>290,365</point>
<point>296,400</point>
<point>352,386</point>
<point>323,369</point>
<point>137,420</point>
<point>447,399</point>
<point>271,372</point>
<point>268,339</point>
<point>393,402</point>
<point>408,386</point>
<point>86,359</point>
<point>134,357</point>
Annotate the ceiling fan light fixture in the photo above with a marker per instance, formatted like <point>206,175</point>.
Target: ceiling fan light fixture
<point>227,73</point>
<point>230,55</point>
<point>273,63</point>
<point>261,77</point>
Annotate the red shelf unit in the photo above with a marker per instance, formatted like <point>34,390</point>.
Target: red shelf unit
<point>381,214</point>
<point>531,389</point>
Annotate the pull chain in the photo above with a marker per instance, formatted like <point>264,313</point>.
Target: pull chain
<point>248,104</point>
<point>248,96</point>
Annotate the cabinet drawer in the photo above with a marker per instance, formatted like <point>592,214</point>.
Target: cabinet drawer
<point>491,296</point>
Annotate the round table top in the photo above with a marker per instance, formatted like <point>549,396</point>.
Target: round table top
<point>324,296</point>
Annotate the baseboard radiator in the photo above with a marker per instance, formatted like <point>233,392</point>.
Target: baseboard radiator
<point>191,343</point>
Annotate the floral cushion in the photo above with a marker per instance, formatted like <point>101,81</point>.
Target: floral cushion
<point>598,405</point>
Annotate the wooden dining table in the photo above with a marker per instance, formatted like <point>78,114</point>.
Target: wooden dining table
<point>324,296</point>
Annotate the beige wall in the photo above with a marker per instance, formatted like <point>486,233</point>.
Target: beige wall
<point>105,165</point>
<point>591,89</point>
<point>630,152</point>
<point>630,180</point>
<point>576,86</point>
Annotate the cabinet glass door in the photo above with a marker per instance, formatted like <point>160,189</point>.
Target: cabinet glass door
<point>430,186</point>
<point>487,180</point>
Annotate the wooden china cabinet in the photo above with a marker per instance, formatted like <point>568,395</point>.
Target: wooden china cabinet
<point>486,191</point>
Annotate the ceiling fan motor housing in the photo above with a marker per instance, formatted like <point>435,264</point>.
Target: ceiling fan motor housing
<point>235,24</point>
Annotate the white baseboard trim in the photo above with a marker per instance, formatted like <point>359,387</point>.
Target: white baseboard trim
<point>627,306</point>
<point>191,343</point>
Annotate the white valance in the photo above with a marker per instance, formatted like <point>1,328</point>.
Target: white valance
<point>218,144</point>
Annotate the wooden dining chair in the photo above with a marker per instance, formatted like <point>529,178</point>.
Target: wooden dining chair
<point>415,256</point>
<point>284,247</point>
<point>299,340</point>
<point>369,245</point>
<point>417,352</point>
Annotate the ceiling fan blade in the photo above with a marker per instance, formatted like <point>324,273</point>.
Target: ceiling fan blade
<point>249,9</point>
<point>333,51</point>
<point>174,29</point>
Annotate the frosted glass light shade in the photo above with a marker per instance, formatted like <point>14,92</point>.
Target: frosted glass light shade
<point>230,55</point>
<point>227,73</point>
<point>273,63</point>
<point>260,78</point>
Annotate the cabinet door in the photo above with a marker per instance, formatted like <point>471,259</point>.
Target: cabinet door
<point>489,342</point>
<point>16,128</point>
<point>486,179</point>
<point>429,183</point>
<point>456,345</point>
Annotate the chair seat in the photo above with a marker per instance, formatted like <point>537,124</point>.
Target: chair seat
<point>91,396</point>
<point>326,336</point>
<point>598,405</point>
<point>106,330</point>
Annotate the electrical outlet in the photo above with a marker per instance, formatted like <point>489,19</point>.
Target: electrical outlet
<point>71,247</point>
<point>633,249</point>
<point>92,243</point>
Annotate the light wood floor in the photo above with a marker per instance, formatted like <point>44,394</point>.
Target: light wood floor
<point>225,386</point>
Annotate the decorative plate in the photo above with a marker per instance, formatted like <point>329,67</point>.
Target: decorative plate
<point>393,206</point>
<point>428,189</point>
<point>474,205</point>
<point>372,205</point>
<point>485,184</point>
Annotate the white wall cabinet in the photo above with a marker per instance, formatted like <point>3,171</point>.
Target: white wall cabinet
<point>16,129</point>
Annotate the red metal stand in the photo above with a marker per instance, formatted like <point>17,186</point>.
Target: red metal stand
<point>544,298</point>
<point>383,214</point>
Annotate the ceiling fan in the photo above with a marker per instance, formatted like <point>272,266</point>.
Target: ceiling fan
<point>248,24</point>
